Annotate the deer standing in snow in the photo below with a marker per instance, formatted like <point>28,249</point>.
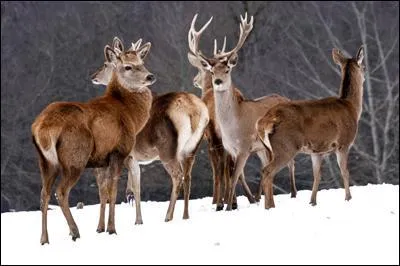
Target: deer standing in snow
<point>172,134</point>
<point>72,136</point>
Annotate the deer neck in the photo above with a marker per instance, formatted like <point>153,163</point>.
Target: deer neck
<point>351,89</point>
<point>226,104</point>
<point>137,102</point>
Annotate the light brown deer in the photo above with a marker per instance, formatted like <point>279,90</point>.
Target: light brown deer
<point>235,117</point>
<point>72,136</point>
<point>316,127</point>
<point>221,162</point>
<point>172,135</point>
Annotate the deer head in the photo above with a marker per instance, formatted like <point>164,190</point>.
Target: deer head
<point>193,41</point>
<point>129,65</point>
<point>355,65</point>
<point>222,63</point>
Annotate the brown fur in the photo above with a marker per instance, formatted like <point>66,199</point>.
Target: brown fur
<point>316,127</point>
<point>77,135</point>
<point>159,139</point>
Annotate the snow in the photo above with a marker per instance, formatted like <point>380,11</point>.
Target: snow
<point>364,230</point>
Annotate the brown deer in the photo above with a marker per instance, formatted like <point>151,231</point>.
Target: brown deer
<point>316,127</point>
<point>220,161</point>
<point>72,136</point>
<point>234,117</point>
<point>172,135</point>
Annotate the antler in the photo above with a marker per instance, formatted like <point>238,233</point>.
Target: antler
<point>194,36</point>
<point>245,29</point>
<point>220,51</point>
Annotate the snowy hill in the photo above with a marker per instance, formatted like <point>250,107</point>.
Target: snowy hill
<point>362,231</point>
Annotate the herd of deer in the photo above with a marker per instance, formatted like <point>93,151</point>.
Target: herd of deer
<point>129,126</point>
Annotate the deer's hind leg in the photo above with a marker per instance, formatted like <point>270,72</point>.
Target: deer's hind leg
<point>73,155</point>
<point>49,173</point>
<point>174,169</point>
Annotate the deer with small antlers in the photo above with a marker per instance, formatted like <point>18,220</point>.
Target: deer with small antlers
<point>316,127</point>
<point>172,134</point>
<point>235,117</point>
<point>72,136</point>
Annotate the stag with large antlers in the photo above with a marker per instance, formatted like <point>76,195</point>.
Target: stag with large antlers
<point>234,117</point>
<point>72,136</point>
<point>316,127</point>
<point>172,135</point>
<point>221,162</point>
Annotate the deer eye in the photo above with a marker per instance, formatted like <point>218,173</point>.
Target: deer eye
<point>226,71</point>
<point>128,68</point>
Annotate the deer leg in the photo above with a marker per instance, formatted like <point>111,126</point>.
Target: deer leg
<point>263,156</point>
<point>228,165</point>
<point>316,165</point>
<point>175,171</point>
<point>116,164</point>
<point>216,158</point>
<point>281,158</point>
<point>342,156</point>
<point>293,190</point>
<point>102,179</point>
<point>49,174</point>
<point>69,178</point>
<point>246,189</point>
<point>134,185</point>
<point>187,172</point>
<point>237,170</point>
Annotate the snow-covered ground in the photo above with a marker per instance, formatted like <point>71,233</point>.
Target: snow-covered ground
<point>362,231</point>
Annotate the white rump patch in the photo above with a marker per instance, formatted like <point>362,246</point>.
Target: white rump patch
<point>50,154</point>
<point>266,140</point>
<point>187,141</point>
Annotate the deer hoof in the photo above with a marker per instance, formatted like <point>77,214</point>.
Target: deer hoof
<point>313,203</point>
<point>220,207</point>
<point>44,240</point>
<point>111,231</point>
<point>234,206</point>
<point>100,230</point>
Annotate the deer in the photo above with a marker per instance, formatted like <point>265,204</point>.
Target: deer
<point>316,127</point>
<point>234,118</point>
<point>220,161</point>
<point>72,136</point>
<point>172,135</point>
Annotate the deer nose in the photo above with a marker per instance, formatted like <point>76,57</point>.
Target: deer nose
<point>150,77</point>
<point>218,82</point>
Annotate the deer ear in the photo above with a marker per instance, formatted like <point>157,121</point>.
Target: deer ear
<point>144,50</point>
<point>109,54</point>
<point>338,57</point>
<point>360,55</point>
<point>193,60</point>
<point>232,61</point>
<point>117,44</point>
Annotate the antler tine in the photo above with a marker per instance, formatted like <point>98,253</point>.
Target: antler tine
<point>215,47</point>
<point>245,29</point>
<point>194,36</point>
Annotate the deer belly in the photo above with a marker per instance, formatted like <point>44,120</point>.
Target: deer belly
<point>319,147</point>
<point>146,162</point>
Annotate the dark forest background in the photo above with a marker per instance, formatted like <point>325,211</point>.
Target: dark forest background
<point>49,50</point>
